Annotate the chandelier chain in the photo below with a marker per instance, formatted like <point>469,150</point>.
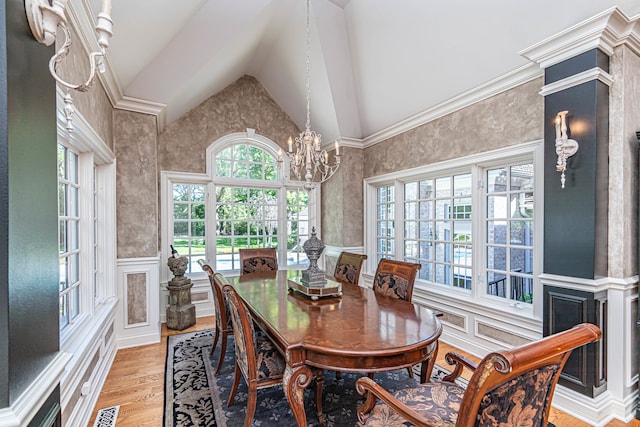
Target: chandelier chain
<point>308,51</point>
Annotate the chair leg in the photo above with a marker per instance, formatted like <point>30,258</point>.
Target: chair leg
<point>319,375</point>
<point>410,370</point>
<point>215,339</point>
<point>252,400</point>
<point>236,381</point>
<point>223,350</point>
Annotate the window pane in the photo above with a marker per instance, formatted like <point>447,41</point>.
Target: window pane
<point>443,187</point>
<point>522,233</point>
<point>496,258</point>
<point>426,189</point>
<point>522,177</point>
<point>411,230</point>
<point>497,207</point>
<point>462,231</point>
<point>497,232</point>
<point>411,191</point>
<point>181,211</point>
<point>410,211</point>
<point>462,185</point>
<point>496,180</point>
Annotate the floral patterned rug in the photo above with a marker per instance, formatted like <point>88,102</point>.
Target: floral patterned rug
<point>194,396</point>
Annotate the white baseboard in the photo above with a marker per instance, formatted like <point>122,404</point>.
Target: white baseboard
<point>138,340</point>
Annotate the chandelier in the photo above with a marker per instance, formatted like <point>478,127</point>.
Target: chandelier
<point>309,160</point>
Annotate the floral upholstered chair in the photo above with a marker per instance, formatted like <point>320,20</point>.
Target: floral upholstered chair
<point>223,327</point>
<point>508,388</point>
<point>257,358</point>
<point>258,260</point>
<point>348,267</point>
<point>395,278</point>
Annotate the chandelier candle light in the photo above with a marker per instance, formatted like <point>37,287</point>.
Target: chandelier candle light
<point>44,20</point>
<point>309,159</point>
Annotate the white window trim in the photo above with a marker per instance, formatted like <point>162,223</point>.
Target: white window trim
<point>92,153</point>
<point>168,178</point>
<point>476,163</point>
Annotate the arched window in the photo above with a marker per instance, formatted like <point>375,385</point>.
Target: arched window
<point>244,201</point>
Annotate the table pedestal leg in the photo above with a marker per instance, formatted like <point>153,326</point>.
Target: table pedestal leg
<point>294,382</point>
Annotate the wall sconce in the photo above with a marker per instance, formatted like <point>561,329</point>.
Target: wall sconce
<point>44,20</point>
<point>565,147</point>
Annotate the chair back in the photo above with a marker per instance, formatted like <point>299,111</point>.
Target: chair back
<point>243,332</point>
<point>258,260</point>
<point>222,311</point>
<point>348,267</point>
<point>519,383</point>
<point>395,278</point>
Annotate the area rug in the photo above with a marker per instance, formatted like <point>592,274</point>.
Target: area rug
<point>194,396</point>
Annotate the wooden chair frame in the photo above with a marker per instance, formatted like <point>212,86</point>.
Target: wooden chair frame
<point>223,328</point>
<point>348,258</point>
<point>247,254</point>
<point>493,371</point>
<point>406,270</point>
<point>254,384</point>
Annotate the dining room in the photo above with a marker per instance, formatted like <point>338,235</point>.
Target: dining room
<point>498,157</point>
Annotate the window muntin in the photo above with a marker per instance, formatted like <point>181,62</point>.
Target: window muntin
<point>243,210</point>
<point>509,230</point>
<point>385,225</point>
<point>246,161</point>
<point>245,218</point>
<point>68,235</point>
<point>438,231</point>
<point>297,226</point>
<point>189,218</point>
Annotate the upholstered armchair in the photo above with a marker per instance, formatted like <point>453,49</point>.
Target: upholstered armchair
<point>348,268</point>
<point>258,260</point>
<point>223,328</point>
<point>257,359</point>
<point>395,278</point>
<point>508,388</point>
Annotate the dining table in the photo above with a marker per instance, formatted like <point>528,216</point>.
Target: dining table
<point>355,330</point>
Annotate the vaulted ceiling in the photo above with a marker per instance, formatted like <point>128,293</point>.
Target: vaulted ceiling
<point>374,63</point>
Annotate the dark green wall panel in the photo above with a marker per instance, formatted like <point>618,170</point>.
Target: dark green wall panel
<point>32,250</point>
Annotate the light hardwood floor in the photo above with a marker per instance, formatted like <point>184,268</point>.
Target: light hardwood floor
<point>135,382</point>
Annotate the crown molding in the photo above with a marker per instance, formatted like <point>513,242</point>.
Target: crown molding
<point>143,106</point>
<point>577,79</point>
<point>81,19</point>
<point>604,31</point>
<point>503,83</point>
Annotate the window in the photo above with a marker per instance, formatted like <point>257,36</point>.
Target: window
<point>189,223</point>
<point>243,202</point>
<point>86,231</point>
<point>509,225</point>
<point>437,223</point>
<point>385,230</point>
<point>68,235</point>
<point>469,222</point>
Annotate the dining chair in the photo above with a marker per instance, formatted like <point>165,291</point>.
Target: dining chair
<point>509,387</point>
<point>395,278</point>
<point>348,267</point>
<point>257,358</point>
<point>258,260</point>
<point>223,327</point>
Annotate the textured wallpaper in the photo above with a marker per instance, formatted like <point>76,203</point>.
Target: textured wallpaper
<point>94,105</point>
<point>623,154</point>
<point>241,105</point>
<point>506,119</point>
<point>342,202</point>
<point>136,184</point>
